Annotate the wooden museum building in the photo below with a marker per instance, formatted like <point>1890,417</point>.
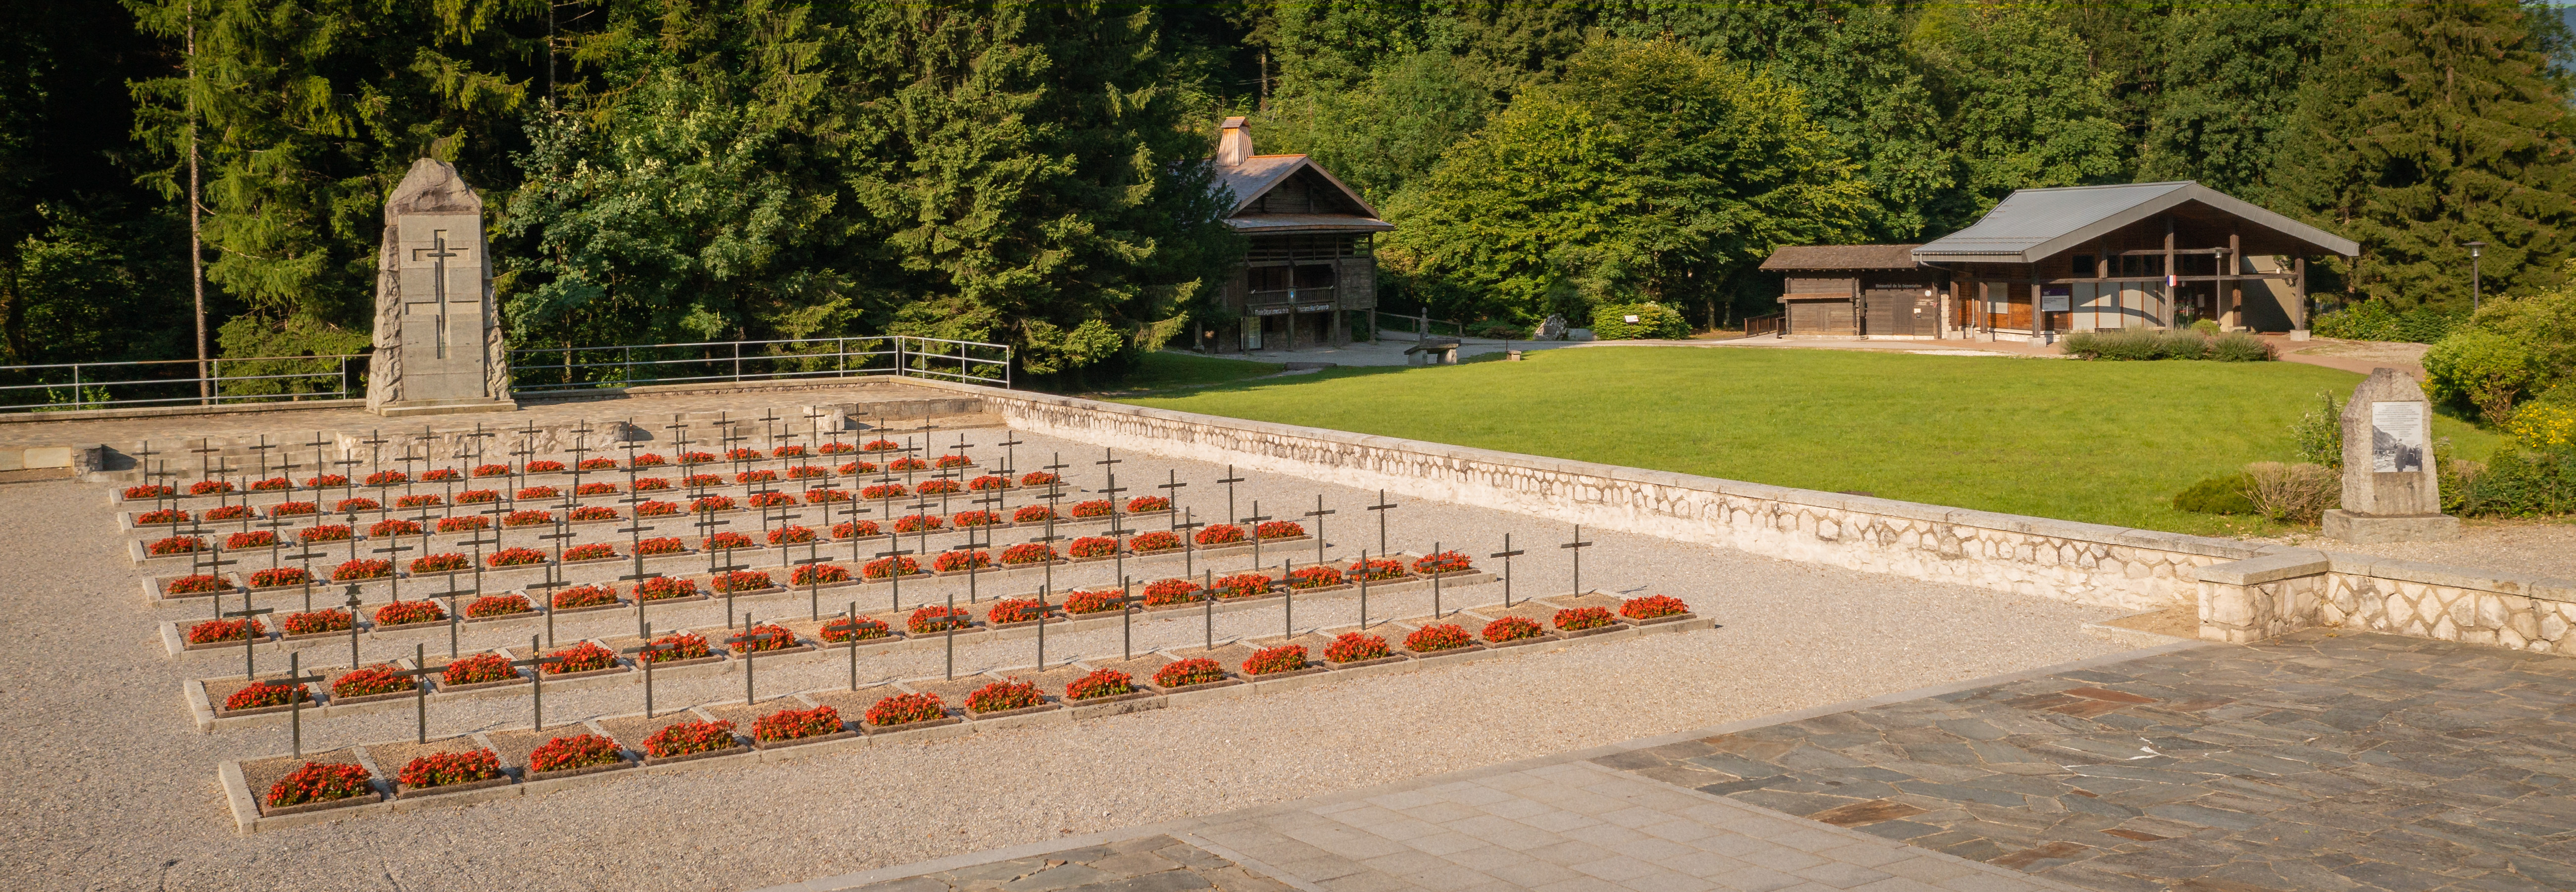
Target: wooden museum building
<point>2049,261</point>
<point>1308,275</point>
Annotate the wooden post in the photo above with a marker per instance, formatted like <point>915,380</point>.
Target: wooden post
<point>2172,284</point>
<point>1985,310</point>
<point>2299,274</point>
<point>2235,311</point>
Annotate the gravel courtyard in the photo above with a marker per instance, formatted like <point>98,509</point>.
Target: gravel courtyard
<point>113,788</point>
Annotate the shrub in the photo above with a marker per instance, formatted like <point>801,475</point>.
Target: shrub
<point>760,476</point>
<point>1652,606</point>
<point>362,568</point>
<point>865,629</point>
<point>532,493</point>
<point>857,468</point>
<point>702,481</point>
<point>1437,636</point>
<point>797,724</point>
<point>1093,547</point>
<point>587,656</point>
<point>286,509</point>
<point>387,478</point>
<point>1002,696</point>
<point>1274,660</point>
<point>2482,369</point>
<point>1039,478</point>
<point>545,466</point>
<point>393,526</point>
<point>1279,529</point>
<point>492,470</point>
<point>791,534</point>
<point>209,488</point>
<point>150,491</point>
<point>1183,673</point>
<point>1314,577</point>
<point>446,769</point>
<point>499,605</point>
<point>661,545</point>
<point>905,709</point>
<point>517,556</point>
<point>914,523</point>
<point>1092,508</point>
<point>1100,601</point>
<point>647,460</point>
<point>176,545</point>
<point>213,630</point>
<point>908,464</point>
<point>527,518</point>
<point>1028,553</point>
<point>826,495</point>
<point>1242,585</point>
<point>1577,619</point>
<point>251,539</point>
<point>882,491</point>
<point>890,567</point>
<point>326,480</point>
<point>197,584</point>
<point>2139,344</point>
<point>594,551</point>
<point>1512,628</point>
<point>1654,320</point>
<point>935,618</point>
<point>595,489</point>
<point>946,462</point>
<point>580,596</point>
<point>2296,493</point>
<point>404,613</point>
<point>1443,562</point>
<point>381,678</point>
<point>465,524</point>
<point>2217,495</point>
<point>722,541</point>
<point>262,694</point>
<point>1171,591</point>
<point>1100,683</point>
<point>685,738</point>
<point>709,504</point>
<point>788,451</point>
<point>988,483</point>
<point>353,506</point>
<point>478,496</point>
<point>678,646</point>
<point>2375,320</point>
<point>1148,504</point>
<point>818,574</point>
<point>478,669</point>
<point>1158,540</point>
<point>763,638</point>
<point>2546,423</point>
<point>1376,569</point>
<point>1033,514</point>
<point>276,484</point>
<point>440,475</point>
<point>697,458</point>
<point>2525,483</point>
<point>664,588</point>
<point>733,581</point>
<point>1015,610</point>
<point>315,622</point>
<point>657,509</point>
<point>229,512</point>
<point>168,516</point>
<point>317,782</point>
<point>596,464</point>
<point>2237,346</point>
<point>277,576</point>
<point>326,532</point>
<point>977,518</point>
<point>856,529</point>
<point>440,563</point>
<point>1353,647</point>
<point>1220,534</point>
<point>577,751</point>
<point>956,561</point>
<point>651,484</point>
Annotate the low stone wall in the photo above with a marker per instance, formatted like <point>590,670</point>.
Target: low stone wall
<point>2294,589</point>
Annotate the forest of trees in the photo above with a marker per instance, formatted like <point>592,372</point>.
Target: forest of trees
<point>674,170</point>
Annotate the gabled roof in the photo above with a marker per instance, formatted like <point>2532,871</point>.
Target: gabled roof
<point>1807,257</point>
<point>2032,224</point>
<point>1259,174</point>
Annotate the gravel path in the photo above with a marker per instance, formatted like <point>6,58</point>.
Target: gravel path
<point>113,790</point>
<point>2540,547</point>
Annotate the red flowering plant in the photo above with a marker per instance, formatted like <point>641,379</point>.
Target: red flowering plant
<point>1353,647</point>
<point>883,491</point>
<point>478,497</point>
<point>1028,553</point>
<point>1580,618</point>
<point>1102,601</point>
<point>1275,660</point>
<point>1184,673</point>
<point>421,500</point>
<point>936,488</point>
<point>835,447</point>
<point>492,470</point>
<point>914,523</point>
<point>326,532</point>
<point>855,529</point>
<point>587,656</point>
<point>908,464</point>
<point>592,513</point>
<point>1033,514</point>
<point>1437,636</point>
<point>1015,610</point>
<point>946,462</point>
<point>721,541</point>
<point>796,724</point>
<point>317,782</point>
<point>977,518</point>
<point>1512,628</point>
<point>440,475</point>
<point>544,466</point>
<point>1279,529</point>
<point>150,491</point>
<point>293,509</point>
<point>595,489</point>
<point>647,460</point>
<point>1376,569</point>
<point>664,588</point>
<point>500,605</point>
<point>735,581</point>
<point>1093,508</point>
<point>1158,540</point>
<point>710,504</point>
<point>855,468</point>
<point>394,526</point>
<point>791,534</point>
<point>532,493</point>
<point>215,630</point>
<point>1652,606</point>
<point>1171,591</point>
<point>362,568</point>
<point>1039,478</point>
<point>597,464</point>
<point>594,551</point>
<point>763,638</point>
<point>960,561</point>
<point>1148,504</point>
<point>409,613</point>
<point>278,576</point>
<point>273,484</point>
<point>882,446</point>
<point>369,681</point>
<point>167,516</point>
<point>1003,696</point>
<point>661,545</point>
<point>515,557</point>
<point>863,629</point>
<point>176,545</point>
<point>209,488</point>
<point>527,518</point>
<point>1242,585</point>
<point>1100,683</point>
<point>657,509</point>
<point>697,458</point>
<point>935,618</point>
<point>577,751</point>
<point>905,709</point>
<point>742,453</point>
<point>1093,547</point>
<point>818,574</point>
<point>251,539</point>
<point>580,596</point>
<point>441,563</point>
<point>478,669</point>
<point>685,738</point>
<point>890,567</point>
<point>826,495</point>
<point>807,472</point>
<point>229,512</point>
<point>989,483</point>
<point>702,481</point>
<point>388,478</point>
<point>196,584</point>
<point>651,484</point>
<point>315,622</point>
<point>465,524</point>
<point>1442,562</point>
<point>1220,534</point>
<point>1314,577</point>
<point>763,475</point>
<point>450,769</point>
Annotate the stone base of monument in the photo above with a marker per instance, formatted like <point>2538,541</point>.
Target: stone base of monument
<point>2363,529</point>
<point>444,407</point>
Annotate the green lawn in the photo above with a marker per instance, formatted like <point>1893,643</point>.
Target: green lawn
<point>2105,442</point>
<point>1164,370</point>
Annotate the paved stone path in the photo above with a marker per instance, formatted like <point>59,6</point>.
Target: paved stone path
<point>1155,863</point>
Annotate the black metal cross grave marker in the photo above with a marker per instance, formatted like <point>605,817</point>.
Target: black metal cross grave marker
<point>537,662</point>
<point>249,616</point>
<point>848,625</point>
<point>1507,554</point>
<point>295,680</point>
<point>1577,546</point>
<point>749,641</point>
<point>1319,514</point>
<point>419,674</point>
<point>1382,507</point>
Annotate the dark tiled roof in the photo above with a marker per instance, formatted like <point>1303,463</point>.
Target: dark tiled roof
<point>1263,223</point>
<point>1805,257</point>
<point>1256,175</point>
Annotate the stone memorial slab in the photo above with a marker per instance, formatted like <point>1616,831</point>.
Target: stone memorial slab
<point>438,337</point>
<point>2391,492</point>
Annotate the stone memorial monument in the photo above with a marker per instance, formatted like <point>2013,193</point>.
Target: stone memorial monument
<point>439,345</point>
<point>2390,492</point>
<point>1553,329</point>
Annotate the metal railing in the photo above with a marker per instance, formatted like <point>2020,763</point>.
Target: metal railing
<point>542,369</point>
<point>73,386</point>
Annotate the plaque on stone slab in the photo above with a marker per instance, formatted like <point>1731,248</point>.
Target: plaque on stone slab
<point>2391,489</point>
<point>438,336</point>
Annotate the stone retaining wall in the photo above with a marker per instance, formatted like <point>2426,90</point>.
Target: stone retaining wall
<point>2293,589</point>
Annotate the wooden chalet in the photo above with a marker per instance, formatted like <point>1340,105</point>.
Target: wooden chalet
<point>1309,272</point>
<point>1857,290</point>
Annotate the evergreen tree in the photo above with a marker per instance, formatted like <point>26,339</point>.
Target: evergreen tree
<point>2233,75</point>
<point>2020,112</point>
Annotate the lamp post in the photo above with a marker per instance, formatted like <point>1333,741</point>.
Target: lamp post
<point>2475,249</point>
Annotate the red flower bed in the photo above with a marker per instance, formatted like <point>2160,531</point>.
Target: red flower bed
<point>953,561</point>
<point>404,613</point>
<point>544,466</point>
<point>1652,606</point>
<point>1028,553</point>
<point>989,483</point>
<point>277,576</point>
<point>440,475</point>
<point>1376,570</point>
<point>1148,504</point>
<point>702,481</point>
<point>229,512</point>
<point>661,545</point>
<point>1274,660</point>
<point>1033,514</point>
<point>1437,636</point>
<point>214,630</point>
<point>1512,628</point>
<point>1005,695</point>
<point>657,509</point>
<point>587,656</point>
<point>577,751</point>
<point>867,629</point>
<point>381,678</point>
<point>818,574</point>
<point>651,484</point>
<point>1100,683</point>
<point>1183,673</point>
<point>293,509</point>
<point>882,446</point>
<point>791,535</point>
<point>422,500</point>
<point>977,518</point>
<point>323,480</point>
<point>1580,618</point>
<point>150,491</point>
<point>954,461</point>
<point>807,472</point>
<point>726,540</point>
<point>196,584</point>
<point>1442,562</point>
<point>1314,577</point>
<point>761,476</point>
<point>388,478</point>
<point>826,495</point>
<point>796,724</point>
<point>765,637</point>
<point>706,504</point>
<point>176,545</point>
<point>527,518</point>
<point>362,568</point>
<point>515,557</point>
<point>914,523</point>
<point>740,581</point>
<point>170,515</point>
<point>449,769</point>
<point>935,618</point>
<point>1158,540</point>
<point>697,458</point>
<point>1220,534</point>
<point>531,493</point>
<point>1279,529</point>
<point>836,448</point>
<point>478,497</point>
<point>500,605</point>
<point>478,669</point>
<point>1039,478</point>
<point>936,488</point>
<point>1242,585</point>
<point>1352,647</point>
<point>595,489</point>
<point>1092,547</point>
<point>742,453</point>
<point>326,532</point>
<point>441,563</point>
<point>595,551</point>
<point>580,596</point>
<point>317,782</point>
<point>884,491</point>
<point>647,460</point>
<point>855,468</point>
<point>315,622</point>
<point>592,512</point>
<point>252,539</point>
<point>394,526</point>
<point>1101,601</point>
<point>890,567</point>
<point>209,488</point>
<point>494,470</point>
<point>596,464</point>
<point>664,588</point>
<point>1015,610</point>
<point>1171,591</point>
<point>908,464</point>
<point>905,709</point>
<point>273,484</point>
<point>1093,508</point>
<point>466,524</point>
<point>855,529</point>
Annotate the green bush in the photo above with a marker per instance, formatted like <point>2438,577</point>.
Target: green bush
<point>1654,320</point>
<point>2524,483</point>
<point>2237,346</point>
<point>2218,495</point>
<point>1497,329</point>
<point>2480,368</point>
<point>2318,436</point>
<point>2138,344</point>
<point>2205,326</point>
<point>2375,320</point>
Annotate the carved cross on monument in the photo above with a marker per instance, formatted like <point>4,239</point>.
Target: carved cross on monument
<point>437,254</point>
<point>437,335</point>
